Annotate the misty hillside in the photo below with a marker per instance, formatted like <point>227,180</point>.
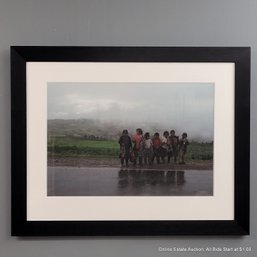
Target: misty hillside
<point>87,128</point>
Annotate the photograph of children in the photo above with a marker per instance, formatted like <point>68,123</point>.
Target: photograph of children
<point>130,139</point>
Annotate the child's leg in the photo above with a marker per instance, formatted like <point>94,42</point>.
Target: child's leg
<point>158,156</point>
<point>140,157</point>
<point>146,157</point>
<point>175,158</point>
<point>127,159</point>
<point>183,157</point>
<point>180,156</point>
<point>169,155</point>
<point>154,155</point>
<point>150,157</point>
<point>162,155</point>
<point>135,157</point>
<point>149,160</point>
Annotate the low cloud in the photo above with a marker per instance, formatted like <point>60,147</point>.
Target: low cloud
<point>187,106</point>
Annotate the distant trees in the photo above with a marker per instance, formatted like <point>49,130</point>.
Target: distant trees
<point>94,138</point>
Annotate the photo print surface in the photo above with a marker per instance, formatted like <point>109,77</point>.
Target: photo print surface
<point>130,139</point>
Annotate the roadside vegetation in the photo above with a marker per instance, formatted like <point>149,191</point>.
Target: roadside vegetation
<point>77,147</point>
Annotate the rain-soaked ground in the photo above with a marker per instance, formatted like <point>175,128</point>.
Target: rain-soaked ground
<point>103,181</point>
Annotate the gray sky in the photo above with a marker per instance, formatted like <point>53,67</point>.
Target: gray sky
<point>182,106</point>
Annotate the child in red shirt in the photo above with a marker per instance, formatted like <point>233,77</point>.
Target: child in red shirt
<point>137,149</point>
<point>156,147</point>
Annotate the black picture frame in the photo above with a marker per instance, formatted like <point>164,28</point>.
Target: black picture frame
<point>21,55</point>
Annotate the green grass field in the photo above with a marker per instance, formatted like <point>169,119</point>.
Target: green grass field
<point>72,147</point>
<point>200,151</point>
<point>66,146</point>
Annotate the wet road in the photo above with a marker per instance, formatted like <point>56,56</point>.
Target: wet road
<point>73,181</point>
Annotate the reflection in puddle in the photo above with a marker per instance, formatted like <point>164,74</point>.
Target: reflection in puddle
<point>138,178</point>
<point>106,181</point>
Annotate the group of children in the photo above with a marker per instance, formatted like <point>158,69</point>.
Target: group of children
<point>142,148</point>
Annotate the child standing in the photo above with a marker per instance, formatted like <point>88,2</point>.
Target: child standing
<point>164,145</point>
<point>148,149</point>
<point>183,143</point>
<point>173,146</point>
<point>125,147</point>
<point>137,149</point>
<point>156,147</point>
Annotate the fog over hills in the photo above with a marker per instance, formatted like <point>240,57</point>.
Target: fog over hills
<point>112,130</point>
<point>105,109</point>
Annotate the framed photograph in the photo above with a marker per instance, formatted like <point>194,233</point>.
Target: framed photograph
<point>130,141</point>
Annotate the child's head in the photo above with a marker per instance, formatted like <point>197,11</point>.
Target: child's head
<point>156,135</point>
<point>172,132</point>
<point>184,135</point>
<point>139,131</point>
<point>125,132</point>
<point>147,135</point>
<point>166,134</point>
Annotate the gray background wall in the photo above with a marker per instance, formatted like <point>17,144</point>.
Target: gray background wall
<point>120,23</point>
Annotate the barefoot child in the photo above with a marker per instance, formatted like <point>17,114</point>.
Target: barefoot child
<point>164,145</point>
<point>125,147</point>
<point>148,149</point>
<point>137,149</point>
<point>183,143</point>
<point>156,147</point>
<point>173,146</point>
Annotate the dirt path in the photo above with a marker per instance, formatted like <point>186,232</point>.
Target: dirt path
<point>107,162</point>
